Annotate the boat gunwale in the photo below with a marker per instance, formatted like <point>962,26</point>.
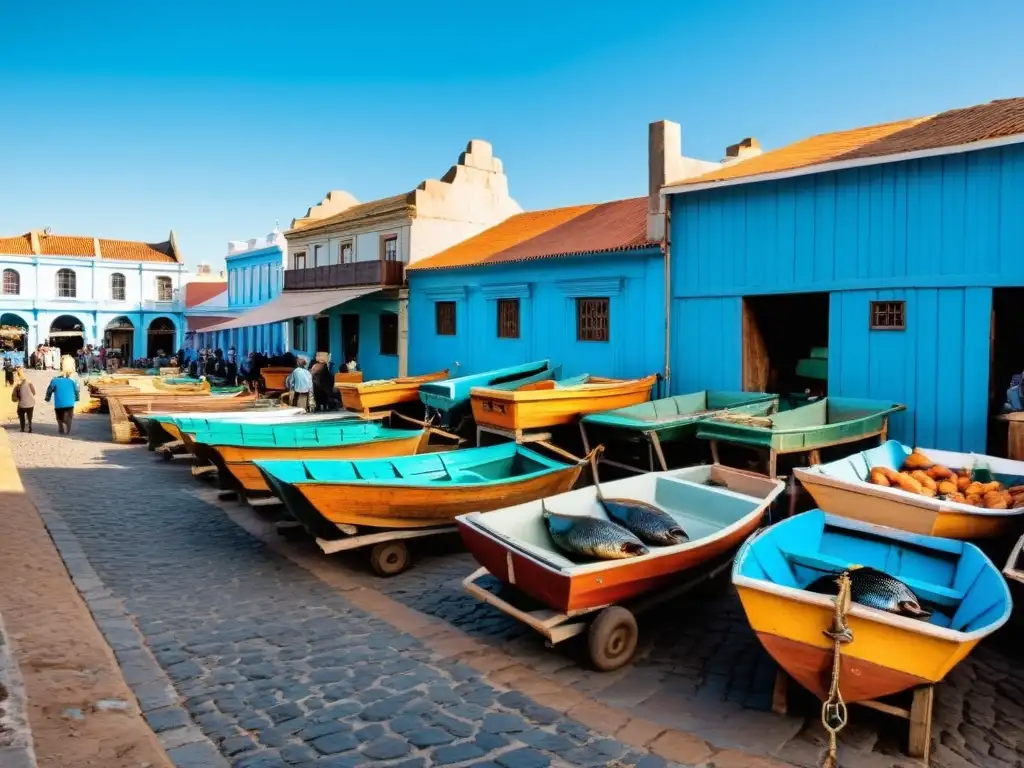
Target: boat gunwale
<point>473,519</point>
<point>1011,571</point>
<point>614,387</point>
<point>874,615</point>
<point>407,433</point>
<point>637,424</point>
<point>894,408</point>
<point>526,370</point>
<point>389,385</point>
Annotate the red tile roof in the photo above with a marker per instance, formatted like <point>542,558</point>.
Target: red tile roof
<point>199,291</point>
<point>85,247</point>
<point>605,227</point>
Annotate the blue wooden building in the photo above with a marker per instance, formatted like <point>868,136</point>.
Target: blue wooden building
<point>899,247</point>
<point>583,286</point>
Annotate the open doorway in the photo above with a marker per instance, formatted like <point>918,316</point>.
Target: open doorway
<point>1006,360</point>
<point>67,334</point>
<point>350,338</point>
<point>323,334</point>
<point>160,338</point>
<point>785,345</point>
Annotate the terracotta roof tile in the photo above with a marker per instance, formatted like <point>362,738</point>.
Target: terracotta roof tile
<point>996,119</point>
<point>600,228</point>
<point>20,245</point>
<point>197,292</point>
<point>66,245</point>
<point>375,209</point>
<point>130,250</point>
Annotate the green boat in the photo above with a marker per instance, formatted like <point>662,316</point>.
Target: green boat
<point>652,424</point>
<point>807,429</point>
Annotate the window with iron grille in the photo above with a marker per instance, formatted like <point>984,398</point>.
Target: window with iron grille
<point>67,285</point>
<point>391,248</point>
<point>118,287</point>
<point>888,315</point>
<point>164,289</point>
<point>299,334</point>
<point>12,282</point>
<point>591,319</point>
<point>508,318</point>
<point>388,333</point>
<point>444,312</point>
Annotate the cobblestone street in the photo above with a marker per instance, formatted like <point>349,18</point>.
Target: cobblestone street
<point>240,655</point>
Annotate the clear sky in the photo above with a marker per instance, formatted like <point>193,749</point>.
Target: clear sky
<point>127,118</point>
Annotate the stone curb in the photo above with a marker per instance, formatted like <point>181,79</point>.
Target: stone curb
<point>14,713</point>
<point>186,746</point>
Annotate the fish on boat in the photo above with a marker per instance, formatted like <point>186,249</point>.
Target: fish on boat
<point>875,589</point>
<point>365,396</point>
<point>717,506</point>
<point>551,402</point>
<point>591,536</point>
<point>418,491</point>
<point>234,454</point>
<point>646,521</point>
<point>954,581</point>
<point>449,399</point>
<point>845,488</point>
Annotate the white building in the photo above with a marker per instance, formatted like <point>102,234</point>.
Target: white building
<point>73,291</point>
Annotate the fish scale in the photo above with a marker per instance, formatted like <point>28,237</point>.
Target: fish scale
<point>650,524</point>
<point>874,589</point>
<point>592,537</point>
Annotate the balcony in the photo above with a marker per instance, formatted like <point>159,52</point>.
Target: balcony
<point>381,273</point>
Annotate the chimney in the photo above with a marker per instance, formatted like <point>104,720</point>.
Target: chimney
<point>743,150</point>
<point>664,156</point>
<point>33,238</point>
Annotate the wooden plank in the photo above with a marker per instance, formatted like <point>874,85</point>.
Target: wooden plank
<point>780,693</point>
<point>920,737</point>
<point>330,546</point>
<point>755,353</point>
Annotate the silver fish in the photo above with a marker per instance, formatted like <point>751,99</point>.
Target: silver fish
<point>649,523</point>
<point>592,537</point>
<point>875,589</point>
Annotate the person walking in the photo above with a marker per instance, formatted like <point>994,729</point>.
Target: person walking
<point>24,395</point>
<point>64,390</point>
<point>299,385</point>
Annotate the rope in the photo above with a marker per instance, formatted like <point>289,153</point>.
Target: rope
<point>833,709</point>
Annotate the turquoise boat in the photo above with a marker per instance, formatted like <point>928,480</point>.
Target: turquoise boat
<point>161,428</point>
<point>410,492</point>
<point>449,399</point>
<point>963,596</point>
<point>669,420</point>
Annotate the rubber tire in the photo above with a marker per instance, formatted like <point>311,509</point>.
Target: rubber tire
<point>389,558</point>
<point>612,639</point>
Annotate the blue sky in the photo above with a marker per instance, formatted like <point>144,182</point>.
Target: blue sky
<point>127,118</point>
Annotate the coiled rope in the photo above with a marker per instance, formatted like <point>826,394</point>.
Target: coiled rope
<point>833,709</point>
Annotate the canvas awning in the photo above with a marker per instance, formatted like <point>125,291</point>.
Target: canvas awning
<point>295,304</point>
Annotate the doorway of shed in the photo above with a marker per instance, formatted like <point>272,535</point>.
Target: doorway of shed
<point>1006,359</point>
<point>785,344</point>
<point>323,334</point>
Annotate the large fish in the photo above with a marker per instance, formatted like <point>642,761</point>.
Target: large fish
<point>875,589</point>
<point>648,523</point>
<point>592,537</point>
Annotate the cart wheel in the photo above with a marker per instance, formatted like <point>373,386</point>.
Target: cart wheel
<point>612,638</point>
<point>167,455</point>
<point>389,558</point>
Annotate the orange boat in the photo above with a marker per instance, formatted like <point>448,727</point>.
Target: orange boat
<point>549,403</point>
<point>365,396</point>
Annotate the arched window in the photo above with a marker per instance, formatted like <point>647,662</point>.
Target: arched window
<point>67,285</point>
<point>12,282</point>
<point>117,287</point>
<point>164,289</point>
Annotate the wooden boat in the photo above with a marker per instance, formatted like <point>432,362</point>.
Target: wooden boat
<point>160,428</point>
<point>1014,573</point>
<point>167,385</point>
<point>828,422</point>
<point>448,400</point>
<point>718,507</point>
<point>668,420</point>
<point>955,580</point>
<point>843,488</point>
<point>234,456</point>
<point>366,396</point>
<point>413,491</point>
<point>348,377</point>
<point>123,408</point>
<point>273,377</point>
<point>549,403</point>
<point>258,429</point>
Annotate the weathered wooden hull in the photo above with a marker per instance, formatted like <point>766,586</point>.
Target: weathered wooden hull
<point>914,514</point>
<point>371,396</point>
<point>420,507</point>
<point>236,468</point>
<point>273,378</point>
<point>539,408</point>
<point>123,408</point>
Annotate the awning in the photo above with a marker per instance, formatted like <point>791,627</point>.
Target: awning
<point>201,323</point>
<point>295,304</point>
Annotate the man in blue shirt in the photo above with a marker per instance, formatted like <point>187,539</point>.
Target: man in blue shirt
<point>299,384</point>
<point>64,390</point>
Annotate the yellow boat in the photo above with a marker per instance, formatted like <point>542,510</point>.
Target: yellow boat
<point>203,385</point>
<point>234,455</point>
<point>964,592</point>
<point>843,488</point>
<point>363,397</point>
<point>549,403</point>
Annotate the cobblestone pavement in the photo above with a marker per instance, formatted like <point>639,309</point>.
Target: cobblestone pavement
<point>259,646</point>
<point>275,667</point>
